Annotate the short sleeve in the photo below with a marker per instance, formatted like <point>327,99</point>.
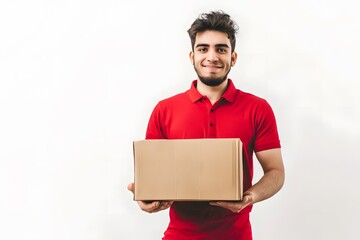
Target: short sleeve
<point>266,136</point>
<point>154,128</point>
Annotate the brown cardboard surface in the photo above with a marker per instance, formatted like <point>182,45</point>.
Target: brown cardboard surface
<point>188,169</point>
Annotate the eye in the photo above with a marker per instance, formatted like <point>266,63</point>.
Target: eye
<point>203,49</point>
<point>221,50</point>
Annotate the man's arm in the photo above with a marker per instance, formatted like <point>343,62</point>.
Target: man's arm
<point>150,207</point>
<point>270,183</point>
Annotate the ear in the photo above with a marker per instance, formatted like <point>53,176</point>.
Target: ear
<point>191,56</point>
<point>233,58</point>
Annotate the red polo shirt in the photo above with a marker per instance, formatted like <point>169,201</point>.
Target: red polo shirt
<point>236,114</point>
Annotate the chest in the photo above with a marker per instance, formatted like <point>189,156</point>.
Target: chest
<point>207,121</point>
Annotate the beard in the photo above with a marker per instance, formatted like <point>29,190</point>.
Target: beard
<point>211,81</point>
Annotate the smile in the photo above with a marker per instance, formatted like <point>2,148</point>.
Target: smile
<point>212,66</point>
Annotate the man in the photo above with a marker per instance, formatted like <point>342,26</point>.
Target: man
<point>214,108</point>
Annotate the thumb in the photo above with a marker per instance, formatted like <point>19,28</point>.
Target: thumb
<point>131,187</point>
<point>247,200</point>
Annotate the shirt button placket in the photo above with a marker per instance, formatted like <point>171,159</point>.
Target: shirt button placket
<point>212,123</point>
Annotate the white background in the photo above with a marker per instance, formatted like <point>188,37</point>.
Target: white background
<point>79,79</point>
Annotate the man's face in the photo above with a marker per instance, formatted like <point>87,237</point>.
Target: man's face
<point>212,57</point>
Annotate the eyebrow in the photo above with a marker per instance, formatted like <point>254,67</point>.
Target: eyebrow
<point>216,45</point>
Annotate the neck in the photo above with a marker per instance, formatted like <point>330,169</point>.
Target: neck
<point>212,93</point>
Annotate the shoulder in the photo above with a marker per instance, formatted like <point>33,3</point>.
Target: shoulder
<point>250,98</point>
<point>175,99</point>
<point>254,105</point>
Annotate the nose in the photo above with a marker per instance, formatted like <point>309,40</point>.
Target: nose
<point>212,56</point>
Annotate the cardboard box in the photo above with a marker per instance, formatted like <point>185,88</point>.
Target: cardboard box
<point>188,169</point>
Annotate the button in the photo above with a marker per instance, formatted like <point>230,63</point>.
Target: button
<point>211,124</point>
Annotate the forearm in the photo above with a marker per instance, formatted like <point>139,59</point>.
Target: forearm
<point>270,183</point>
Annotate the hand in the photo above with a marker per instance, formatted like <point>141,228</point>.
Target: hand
<point>235,206</point>
<point>150,207</point>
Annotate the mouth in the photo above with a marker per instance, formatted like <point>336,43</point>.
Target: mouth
<point>212,67</point>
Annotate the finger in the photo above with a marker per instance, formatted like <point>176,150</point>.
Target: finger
<point>232,206</point>
<point>246,200</point>
<point>131,187</point>
<point>222,204</point>
<point>165,205</point>
<point>149,207</point>
<point>162,206</point>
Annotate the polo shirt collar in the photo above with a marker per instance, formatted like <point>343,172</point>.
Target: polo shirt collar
<point>228,95</point>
